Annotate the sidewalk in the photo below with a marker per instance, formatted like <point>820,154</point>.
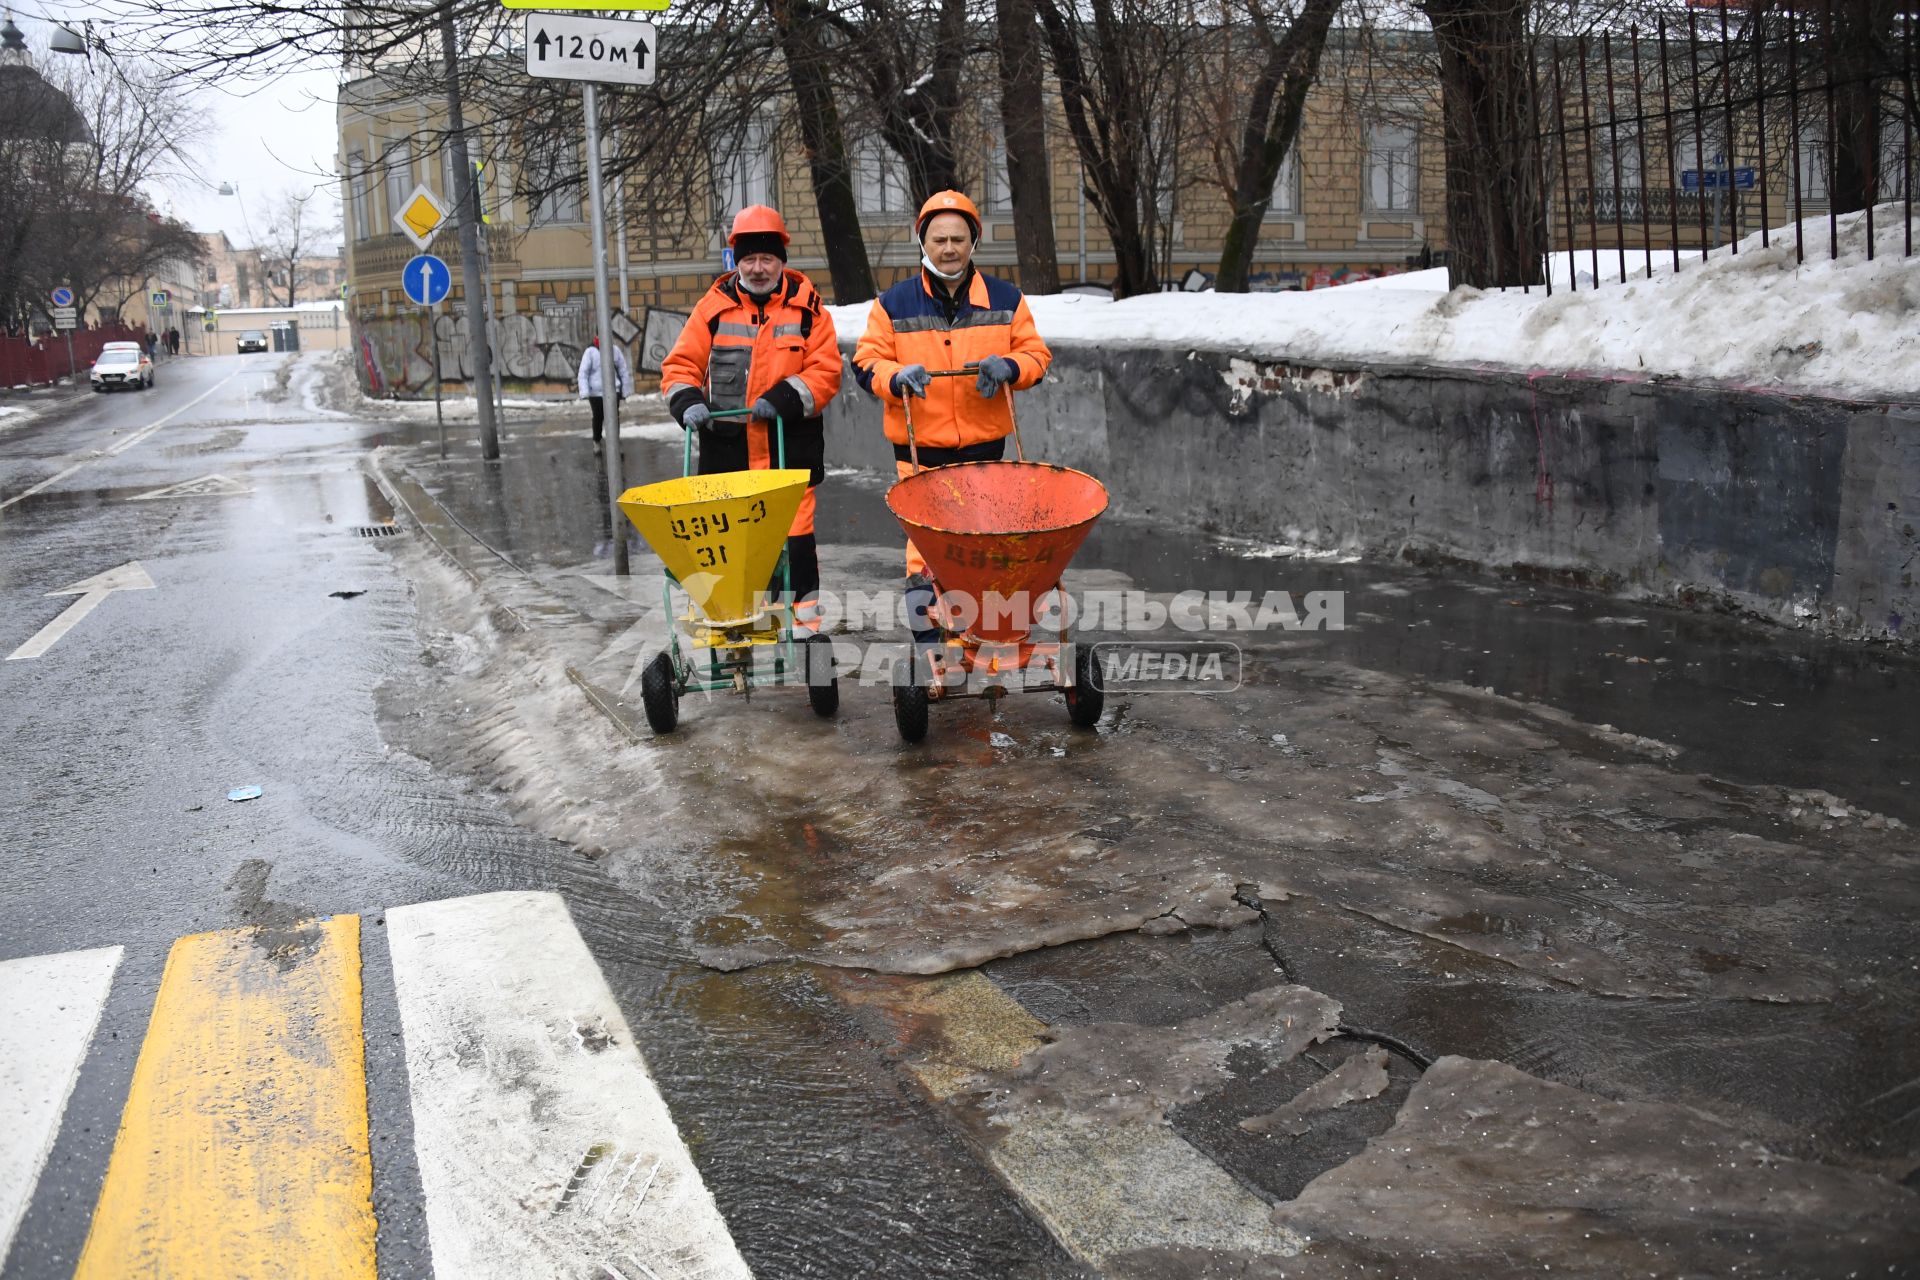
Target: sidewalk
<point>1596,918</point>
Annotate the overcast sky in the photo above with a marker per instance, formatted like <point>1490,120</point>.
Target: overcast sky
<point>266,139</point>
<point>279,137</point>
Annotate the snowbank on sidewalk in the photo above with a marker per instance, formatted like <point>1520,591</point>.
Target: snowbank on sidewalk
<point>1750,315</point>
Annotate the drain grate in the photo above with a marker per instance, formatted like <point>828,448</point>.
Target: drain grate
<point>374,530</point>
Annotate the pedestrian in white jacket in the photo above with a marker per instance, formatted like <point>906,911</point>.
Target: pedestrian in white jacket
<point>590,382</point>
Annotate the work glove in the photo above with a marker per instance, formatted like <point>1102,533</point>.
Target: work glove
<point>913,380</point>
<point>995,372</point>
<point>765,409</point>
<point>696,417</point>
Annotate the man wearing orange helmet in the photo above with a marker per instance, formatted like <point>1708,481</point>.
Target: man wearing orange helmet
<point>760,339</point>
<point>947,315</point>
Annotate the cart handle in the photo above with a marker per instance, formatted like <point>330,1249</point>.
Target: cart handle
<point>964,371</point>
<point>779,439</point>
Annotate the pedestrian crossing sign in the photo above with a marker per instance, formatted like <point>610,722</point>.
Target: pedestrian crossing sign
<point>420,216</point>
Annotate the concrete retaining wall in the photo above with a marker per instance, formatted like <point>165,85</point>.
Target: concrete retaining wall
<point>1799,508</point>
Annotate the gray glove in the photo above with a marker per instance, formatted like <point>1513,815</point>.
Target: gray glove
<point>912,381</point>
<point>995,372</point>
<point>765,410</point>
<point>696,417</point>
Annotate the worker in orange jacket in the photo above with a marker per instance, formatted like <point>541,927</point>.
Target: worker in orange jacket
<point>947,315</point>
<point>760,339</point>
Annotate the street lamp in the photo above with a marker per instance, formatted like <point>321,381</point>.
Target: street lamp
<point>67,40</point>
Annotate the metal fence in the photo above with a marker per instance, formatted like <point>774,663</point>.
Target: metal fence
<point>1658,143</point>
<point>37,361</point>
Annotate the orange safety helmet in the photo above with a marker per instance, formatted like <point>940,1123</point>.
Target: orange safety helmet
<point>758,219</point>
<point>946,202</point>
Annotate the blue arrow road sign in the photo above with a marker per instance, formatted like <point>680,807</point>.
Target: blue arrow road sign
<point>426,279</point>
<point>63,297</point>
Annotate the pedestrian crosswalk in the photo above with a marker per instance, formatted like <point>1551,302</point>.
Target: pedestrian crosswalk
<point>543,1145</point>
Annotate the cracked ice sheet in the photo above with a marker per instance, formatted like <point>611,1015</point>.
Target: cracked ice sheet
<point>1489,1171</point>
<point>1560,849</point>
<point>1572,853</point>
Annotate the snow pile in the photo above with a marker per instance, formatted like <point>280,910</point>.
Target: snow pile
<point>1749,315</point>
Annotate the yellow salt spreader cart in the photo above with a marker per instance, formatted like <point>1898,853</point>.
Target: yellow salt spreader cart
<point>723,540</point>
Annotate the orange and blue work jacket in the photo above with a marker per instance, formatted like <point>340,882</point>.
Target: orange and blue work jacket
<point>915,322</point>
<point>735,350</point>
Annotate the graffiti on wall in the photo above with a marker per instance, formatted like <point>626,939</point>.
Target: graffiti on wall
<point>537,350</point>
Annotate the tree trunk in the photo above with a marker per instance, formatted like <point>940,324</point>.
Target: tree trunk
<point>1276,105</point>
<point>1862,33</point>
<point>826,148</point>
<point>1024,130</point>
<point>1496,209</point>
<point>1108,128</point>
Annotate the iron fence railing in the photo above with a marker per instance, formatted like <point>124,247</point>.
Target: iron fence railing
<point>1662,142</point>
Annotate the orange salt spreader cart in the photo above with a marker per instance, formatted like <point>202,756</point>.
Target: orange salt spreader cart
<point>995,534</point>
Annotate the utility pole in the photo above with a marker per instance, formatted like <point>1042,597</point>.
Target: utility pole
<point>467,209</point>
<point>603,316</point>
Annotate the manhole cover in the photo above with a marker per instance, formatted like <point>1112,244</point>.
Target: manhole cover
<point>374,530</point>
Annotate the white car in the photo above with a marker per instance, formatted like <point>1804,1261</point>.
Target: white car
<point>122,364</point>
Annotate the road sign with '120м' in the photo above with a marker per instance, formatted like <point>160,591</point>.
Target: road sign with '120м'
<point>602,50</point>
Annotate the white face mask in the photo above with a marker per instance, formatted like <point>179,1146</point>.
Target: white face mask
<point>927,262</point>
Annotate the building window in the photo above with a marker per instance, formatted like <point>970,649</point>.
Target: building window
<point>1896,159</point>
<point>1285,201</point>
<point>879,178</point>
<point>1624,142</point>
<point>743,169</point>
<point>357,195</point>
<point>1813,162</point>
<point>1393,175</point>
<point>399,176</point>
<point>999,185</point>
<point>554,184</point>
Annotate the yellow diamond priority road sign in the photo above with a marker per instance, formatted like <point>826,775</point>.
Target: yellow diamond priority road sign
<point>420,216</point>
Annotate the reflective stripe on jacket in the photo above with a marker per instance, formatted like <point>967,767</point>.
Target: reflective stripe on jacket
<point>908,324</point>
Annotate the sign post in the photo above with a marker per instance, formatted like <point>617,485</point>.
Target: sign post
<point>66,317</point>
<point>427,281</point>
<point>610,51</point>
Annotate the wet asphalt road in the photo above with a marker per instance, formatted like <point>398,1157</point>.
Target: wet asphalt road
<point>276,615</point>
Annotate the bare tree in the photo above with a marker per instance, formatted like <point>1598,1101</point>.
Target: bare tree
<point>76,150</point>
<point>1023,121</point>
<point>1496,205</point>
<point>1123,67</point>
<point>804,42</point>
<point>1256,79</point>
<point>907,60</point>
<point>292,229</point>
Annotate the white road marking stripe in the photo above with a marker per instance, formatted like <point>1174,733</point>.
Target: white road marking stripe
<point>532,1105</point>
<point>49,1007</point>
<point>130,576</point>
<point>120,447</point>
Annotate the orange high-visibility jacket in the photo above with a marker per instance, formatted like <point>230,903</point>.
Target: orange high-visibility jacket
<point>908,324</point>
<point>734,351</point>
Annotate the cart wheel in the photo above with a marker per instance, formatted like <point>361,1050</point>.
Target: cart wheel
<point>1088,697</point>
<point>658,695</point>
<point>823,686</point>
<point>910,704</point>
